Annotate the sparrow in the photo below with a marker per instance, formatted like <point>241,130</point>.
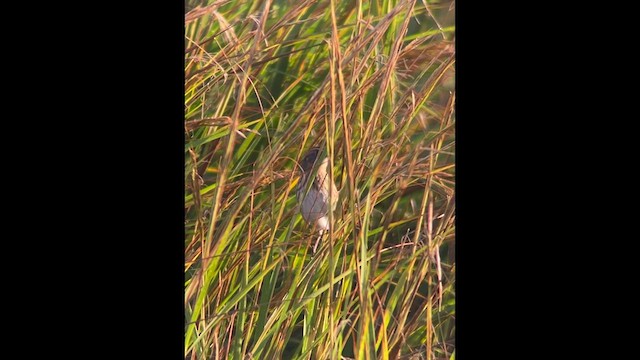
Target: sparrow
<point>314,203</point>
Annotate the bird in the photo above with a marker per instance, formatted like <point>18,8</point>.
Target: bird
<point>313,197</point>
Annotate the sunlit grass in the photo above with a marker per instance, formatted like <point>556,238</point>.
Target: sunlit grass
<point>372,83</point>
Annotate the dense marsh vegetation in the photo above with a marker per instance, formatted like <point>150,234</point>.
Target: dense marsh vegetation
<point>372,83</point>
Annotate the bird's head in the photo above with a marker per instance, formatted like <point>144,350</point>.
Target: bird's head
<point>309,159</point>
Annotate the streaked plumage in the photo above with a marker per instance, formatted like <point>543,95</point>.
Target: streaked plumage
<point>314,204</point>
